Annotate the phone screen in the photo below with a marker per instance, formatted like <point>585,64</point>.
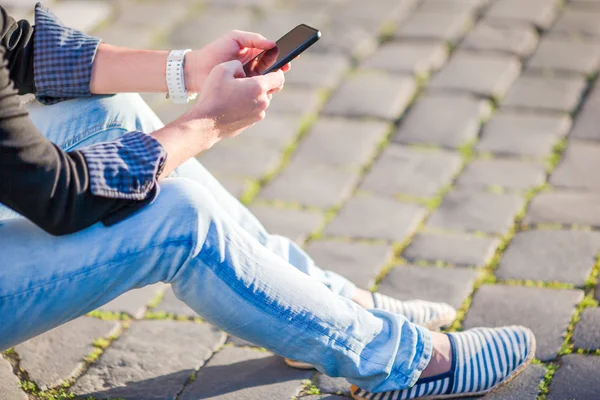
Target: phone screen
<point>286,45</point>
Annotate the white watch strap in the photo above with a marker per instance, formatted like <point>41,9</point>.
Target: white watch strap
<point>175,77</point>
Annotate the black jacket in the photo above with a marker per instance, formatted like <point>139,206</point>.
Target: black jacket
<point>37,179</point>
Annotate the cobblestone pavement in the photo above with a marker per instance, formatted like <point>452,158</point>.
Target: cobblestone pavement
<point>441,149</point>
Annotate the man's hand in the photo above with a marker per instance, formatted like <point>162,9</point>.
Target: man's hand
<point>228,104</point>
<point>234,46</point>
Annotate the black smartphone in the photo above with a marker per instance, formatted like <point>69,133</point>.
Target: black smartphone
<point>288,47</point>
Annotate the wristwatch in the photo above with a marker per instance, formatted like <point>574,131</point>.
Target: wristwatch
<point>176,78</point>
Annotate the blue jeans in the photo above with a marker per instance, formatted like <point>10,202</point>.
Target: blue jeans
<point>212,250</point>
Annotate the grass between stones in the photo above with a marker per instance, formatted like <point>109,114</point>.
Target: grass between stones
<point>61,392</point>
<point>307,122</point>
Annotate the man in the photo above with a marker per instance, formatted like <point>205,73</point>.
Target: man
<point>90,181</point>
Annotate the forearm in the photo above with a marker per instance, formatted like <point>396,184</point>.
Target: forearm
<point>183,139</point>
<point>123,70</point>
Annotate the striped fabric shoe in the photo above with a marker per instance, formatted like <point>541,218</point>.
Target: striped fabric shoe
<point>430,315</point>
<point>483,359</point>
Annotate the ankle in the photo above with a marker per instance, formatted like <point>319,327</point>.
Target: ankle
<point>441,356</point>
<point>363,298</point>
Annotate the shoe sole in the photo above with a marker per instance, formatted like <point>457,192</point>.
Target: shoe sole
<point>434,325</point>
<point>298,364</point>
<point>509,378</point>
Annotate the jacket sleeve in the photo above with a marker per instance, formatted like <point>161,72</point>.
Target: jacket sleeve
<point>64,192</point>
<point>17,40</point>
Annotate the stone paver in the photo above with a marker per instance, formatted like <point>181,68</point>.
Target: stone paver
<point>505,173</point>
<point>373,217</point>
<point>578,23</point>
<point>576,171</point>
<point>563,54</point>
<point>547,312</point>
<point>556,93</point>
<point>359,262</point>
<point>489,75</point>
<point>328,384</point>
<point>279,130</point>
<point>292,223</point>
<point>58,354</point>
<point>296,100</point>
<point>587,330</point>
<point>425,25</point>
<point>541,13</point>
<point>417,57</point>
<point>347,39</point>
<point>341,143</point>
<point>467,210</point>
<point>9,383</point>
<point>523,134</point>
<point>457,249</point>
<point>325,397</point>
<point>576,378</point>
<point>242,157</point>
<point>494,36</point>
<point>588,118</point>
<point>317,70</point>
<point>402,170</point>
<point>457,120</point>
<point>564,207</point>
<point>171,305</point>
<point>372,94</point>
<point>543,255</point>
<point>133,302</point>
<point>241,373</point>
<point>450,285</point>
<point>524,387</point>
<point>81,14</point>
<point>311,185</point>
<point>152,360</point>
<point>209,25</point>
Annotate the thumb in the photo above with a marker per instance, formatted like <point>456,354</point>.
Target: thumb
<point>233,68</point>
<point>272,80</point>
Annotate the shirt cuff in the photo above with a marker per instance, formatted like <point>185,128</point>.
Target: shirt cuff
<point>127,168</point>
<point>62,59</point>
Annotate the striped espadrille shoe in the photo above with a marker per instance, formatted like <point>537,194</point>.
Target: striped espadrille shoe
<point>483,359</point>
<point>430,315</point>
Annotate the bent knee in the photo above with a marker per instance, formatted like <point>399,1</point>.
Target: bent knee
<point>84,121</point>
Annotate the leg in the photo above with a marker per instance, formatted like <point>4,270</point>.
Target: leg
<point>83,122</point>
<point>219,270</point>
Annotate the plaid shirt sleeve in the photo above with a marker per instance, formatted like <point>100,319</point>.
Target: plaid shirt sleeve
<point>62,59</point>
<point>126,168</point>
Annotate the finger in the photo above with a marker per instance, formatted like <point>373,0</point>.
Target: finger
<point>233,68</point>
<point>271,81</point>
<point>286,67</point>
<point>251,39</point>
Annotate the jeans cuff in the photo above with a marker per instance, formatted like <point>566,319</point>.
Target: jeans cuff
<point>348,290</point>
<point>426,352</point>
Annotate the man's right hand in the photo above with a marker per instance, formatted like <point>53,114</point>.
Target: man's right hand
<point>232,101</point>
<point>228,104</point>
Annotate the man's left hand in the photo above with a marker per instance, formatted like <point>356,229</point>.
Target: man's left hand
<point>235,45</point>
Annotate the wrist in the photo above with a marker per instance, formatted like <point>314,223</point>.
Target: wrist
<point>192,72</point>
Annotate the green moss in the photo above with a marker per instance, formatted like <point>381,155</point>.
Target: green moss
<point>109,316</point>
<point>545,384</point>
<point>557,152</point>
<point>387,30</point>
<point>158,298</point>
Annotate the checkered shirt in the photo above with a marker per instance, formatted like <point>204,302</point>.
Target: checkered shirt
<point>126,168</point>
